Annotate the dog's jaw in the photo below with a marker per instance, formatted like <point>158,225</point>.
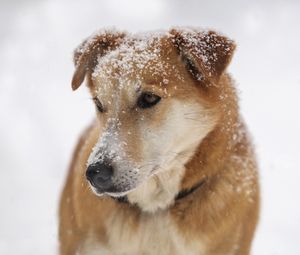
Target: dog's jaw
<point>159,191</point>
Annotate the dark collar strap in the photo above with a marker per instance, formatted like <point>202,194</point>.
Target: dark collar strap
<point>182,194</point>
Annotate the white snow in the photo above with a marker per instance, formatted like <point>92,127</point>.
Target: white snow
<point>41,117</point>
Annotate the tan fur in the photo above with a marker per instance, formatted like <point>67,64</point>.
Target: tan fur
<point>210,144</point>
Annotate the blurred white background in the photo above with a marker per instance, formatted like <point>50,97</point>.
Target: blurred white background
<point>41,118</point>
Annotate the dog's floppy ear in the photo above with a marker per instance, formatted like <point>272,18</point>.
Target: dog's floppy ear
<point>207,52</point>
<point>86,54</point>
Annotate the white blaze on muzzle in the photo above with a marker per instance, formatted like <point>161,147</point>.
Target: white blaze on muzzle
<point>109,146</point>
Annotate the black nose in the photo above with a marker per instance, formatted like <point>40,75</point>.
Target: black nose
<point>99,175</point>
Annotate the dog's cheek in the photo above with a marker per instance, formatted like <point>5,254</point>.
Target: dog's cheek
<point>157,136</point>
<point>185,126</point>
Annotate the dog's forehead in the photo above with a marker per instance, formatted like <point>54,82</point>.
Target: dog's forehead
<point>140,59</point>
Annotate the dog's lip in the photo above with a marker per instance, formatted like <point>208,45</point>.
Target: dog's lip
<point>110,194</point>
<point>117,194</point>
<point>96,191</point>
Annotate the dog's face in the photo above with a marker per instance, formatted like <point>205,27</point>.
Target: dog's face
<point>153,101</point>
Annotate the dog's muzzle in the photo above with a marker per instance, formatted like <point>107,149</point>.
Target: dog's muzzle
<point>100,176</point>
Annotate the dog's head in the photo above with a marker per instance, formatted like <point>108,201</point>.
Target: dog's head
<point>156,97</point>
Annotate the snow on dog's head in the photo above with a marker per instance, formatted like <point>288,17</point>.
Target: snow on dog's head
<point>157,96</point>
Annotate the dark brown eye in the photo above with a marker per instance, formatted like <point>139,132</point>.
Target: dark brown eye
<point>98,104</point>
<point>147,100</point>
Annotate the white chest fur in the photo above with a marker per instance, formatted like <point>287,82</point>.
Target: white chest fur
<point>154,234</point>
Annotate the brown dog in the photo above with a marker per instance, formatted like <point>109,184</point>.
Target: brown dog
<point>169,164</point>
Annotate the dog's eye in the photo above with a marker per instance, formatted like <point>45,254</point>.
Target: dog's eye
<point>147,100</point>
<point>98,105</point>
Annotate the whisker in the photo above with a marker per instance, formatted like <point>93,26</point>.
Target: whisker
<point>190,118</point>
<point>191,113</point>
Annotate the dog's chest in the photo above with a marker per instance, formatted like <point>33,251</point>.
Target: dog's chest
<point>152,234</point>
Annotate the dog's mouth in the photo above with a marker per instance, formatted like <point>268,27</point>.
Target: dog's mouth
<point>113,195</point>
<point>114,192</point>
<point>117,194</point>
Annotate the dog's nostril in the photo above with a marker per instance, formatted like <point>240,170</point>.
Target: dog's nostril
<point>104,174</point>
<point>99,175</point>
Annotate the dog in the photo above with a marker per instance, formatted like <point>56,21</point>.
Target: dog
<point>167,166</point>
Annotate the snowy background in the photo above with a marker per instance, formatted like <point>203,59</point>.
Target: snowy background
<point>41,118</point>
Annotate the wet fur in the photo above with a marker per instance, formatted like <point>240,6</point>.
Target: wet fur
<point>218,218</point>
